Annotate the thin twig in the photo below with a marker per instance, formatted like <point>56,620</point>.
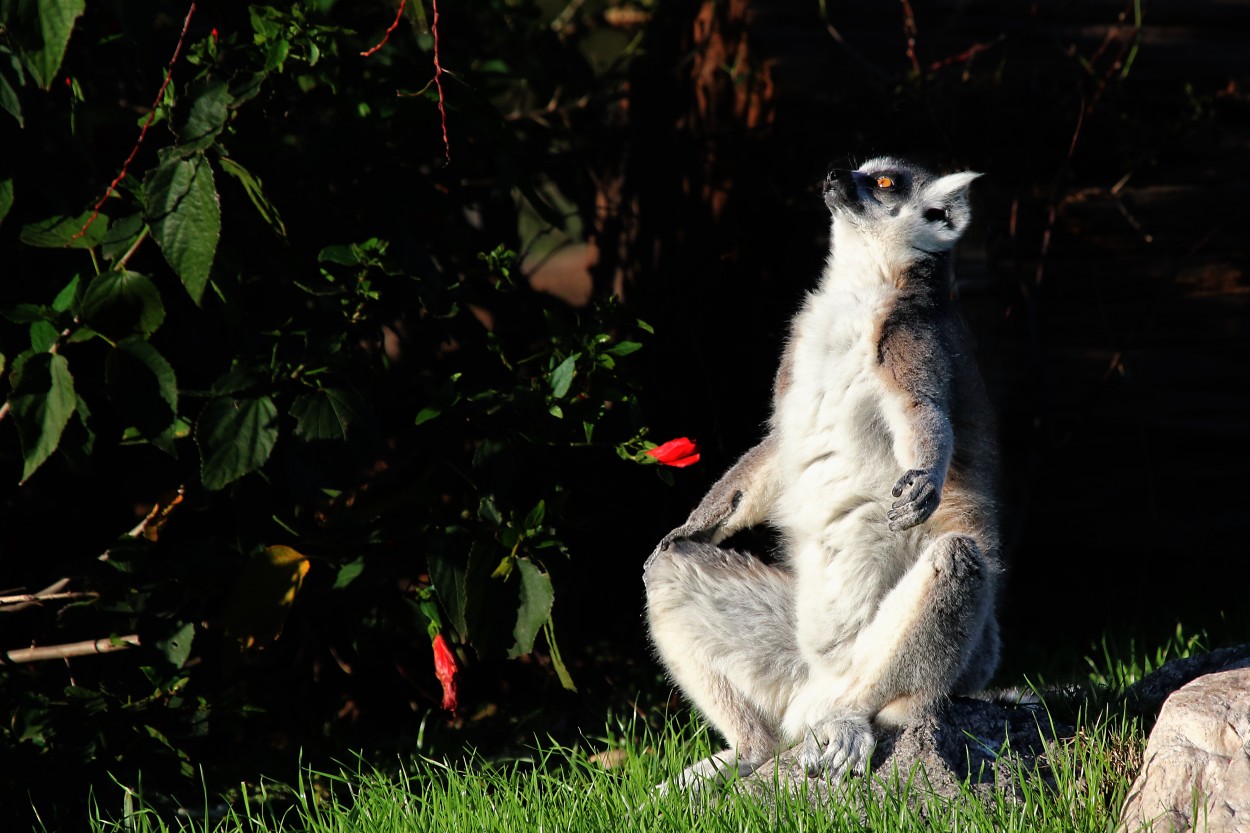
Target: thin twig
<point>438,82</point>
<point>143,132</point>
<point>36,598</point>
<point>387,34</point>
<point>1053,213</point>
<point>55,587</point>
<point>121,264</point>
<point>73,649</point>
<point>154,520</point>
<point>967,54</point>
<point>159,514</point>
<point>910,32</point>
<point>438,71</point>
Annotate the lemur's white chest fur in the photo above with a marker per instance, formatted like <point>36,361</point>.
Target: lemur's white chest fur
<point>837,428</point>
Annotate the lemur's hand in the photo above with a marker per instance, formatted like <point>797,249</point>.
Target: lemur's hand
<point>918,491</point>
<point>707,521</point>
<point>741,498</point>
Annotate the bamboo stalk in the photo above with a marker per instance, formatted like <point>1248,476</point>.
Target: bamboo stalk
<point>73,649</point>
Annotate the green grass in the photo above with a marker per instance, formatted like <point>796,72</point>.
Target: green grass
<point>606,783</point>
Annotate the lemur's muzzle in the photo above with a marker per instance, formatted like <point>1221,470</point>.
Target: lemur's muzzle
<point>841,190</point>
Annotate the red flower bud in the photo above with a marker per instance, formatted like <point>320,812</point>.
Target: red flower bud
<point>214,33</point>
<point>446,671</point>
<point>678,453</point>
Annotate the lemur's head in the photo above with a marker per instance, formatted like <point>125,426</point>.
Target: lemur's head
<point>901,203</point>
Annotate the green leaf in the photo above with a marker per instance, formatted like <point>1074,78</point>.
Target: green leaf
<point>59,232</point>
<point>447,574</point>
<point>624,348</point>
<point>42,402</point>
<point>197,127</point>
<point>6,198</point>
<point>185,217</point>
<point>534,519</point>
<point>537,597</point>
<point>240,378</point>
<point>27,313</point>
<point>42,336</point>
<point>177,646</point>
<point>557,661</point>
<point>426,414</point>
<point>121,236</point>
<point>348,573</point>
<point>326,414</point>
<point>119,304</point>
<point>488,511</point>
<point>251,186</point>
<point>11,105</point>
<point>339,253</point>
<point>142,384</point>
<point>41,30</point>
<point>65,298</point>
<point>562,376</point>
<point>83,414</point>
<point>235,436</point>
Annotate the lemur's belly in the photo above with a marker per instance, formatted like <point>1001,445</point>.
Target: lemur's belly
<point>839,465</point>
<point>835,444</point>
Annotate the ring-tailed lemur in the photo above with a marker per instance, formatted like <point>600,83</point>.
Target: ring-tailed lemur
<point>879,472</point>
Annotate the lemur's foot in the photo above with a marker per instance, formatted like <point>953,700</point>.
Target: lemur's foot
<point>956,558</point>
<point>708,774</point>
<point>836,747</point>
<point>918,492</point>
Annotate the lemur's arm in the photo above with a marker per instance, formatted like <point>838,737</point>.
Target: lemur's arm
<point>740,499</point>
<point>917,371</point>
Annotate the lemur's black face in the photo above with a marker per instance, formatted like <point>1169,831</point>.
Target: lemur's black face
<point>906,203</point>
<point>889,185</point>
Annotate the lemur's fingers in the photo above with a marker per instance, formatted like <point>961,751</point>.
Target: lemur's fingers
<point>918,496</point>
<point>690,532</point>
<point>919,492</point>
<point>911,519</point>
<point>909,478</point>
<point>906,515</point>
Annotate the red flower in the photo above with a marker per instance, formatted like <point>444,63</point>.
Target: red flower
<point>446,671</point>
<point>214,33</point>
<point>678,453</point>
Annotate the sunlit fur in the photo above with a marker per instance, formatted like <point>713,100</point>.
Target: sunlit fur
<point>882,605</point>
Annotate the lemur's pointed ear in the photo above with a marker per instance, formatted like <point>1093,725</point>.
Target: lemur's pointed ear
<point>951,186</point>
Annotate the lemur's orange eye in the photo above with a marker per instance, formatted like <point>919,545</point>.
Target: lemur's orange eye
<point>885,182</point>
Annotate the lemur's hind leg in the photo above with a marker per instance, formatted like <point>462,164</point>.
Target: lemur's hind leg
<point>723,624</point>
<point>911,655</point>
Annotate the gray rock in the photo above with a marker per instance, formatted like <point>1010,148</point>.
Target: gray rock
<point>1147,695</point>
<point>986,743</point>
<point>1196,773</point>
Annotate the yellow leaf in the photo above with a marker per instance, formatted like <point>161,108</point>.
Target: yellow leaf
<point>262,596</point>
